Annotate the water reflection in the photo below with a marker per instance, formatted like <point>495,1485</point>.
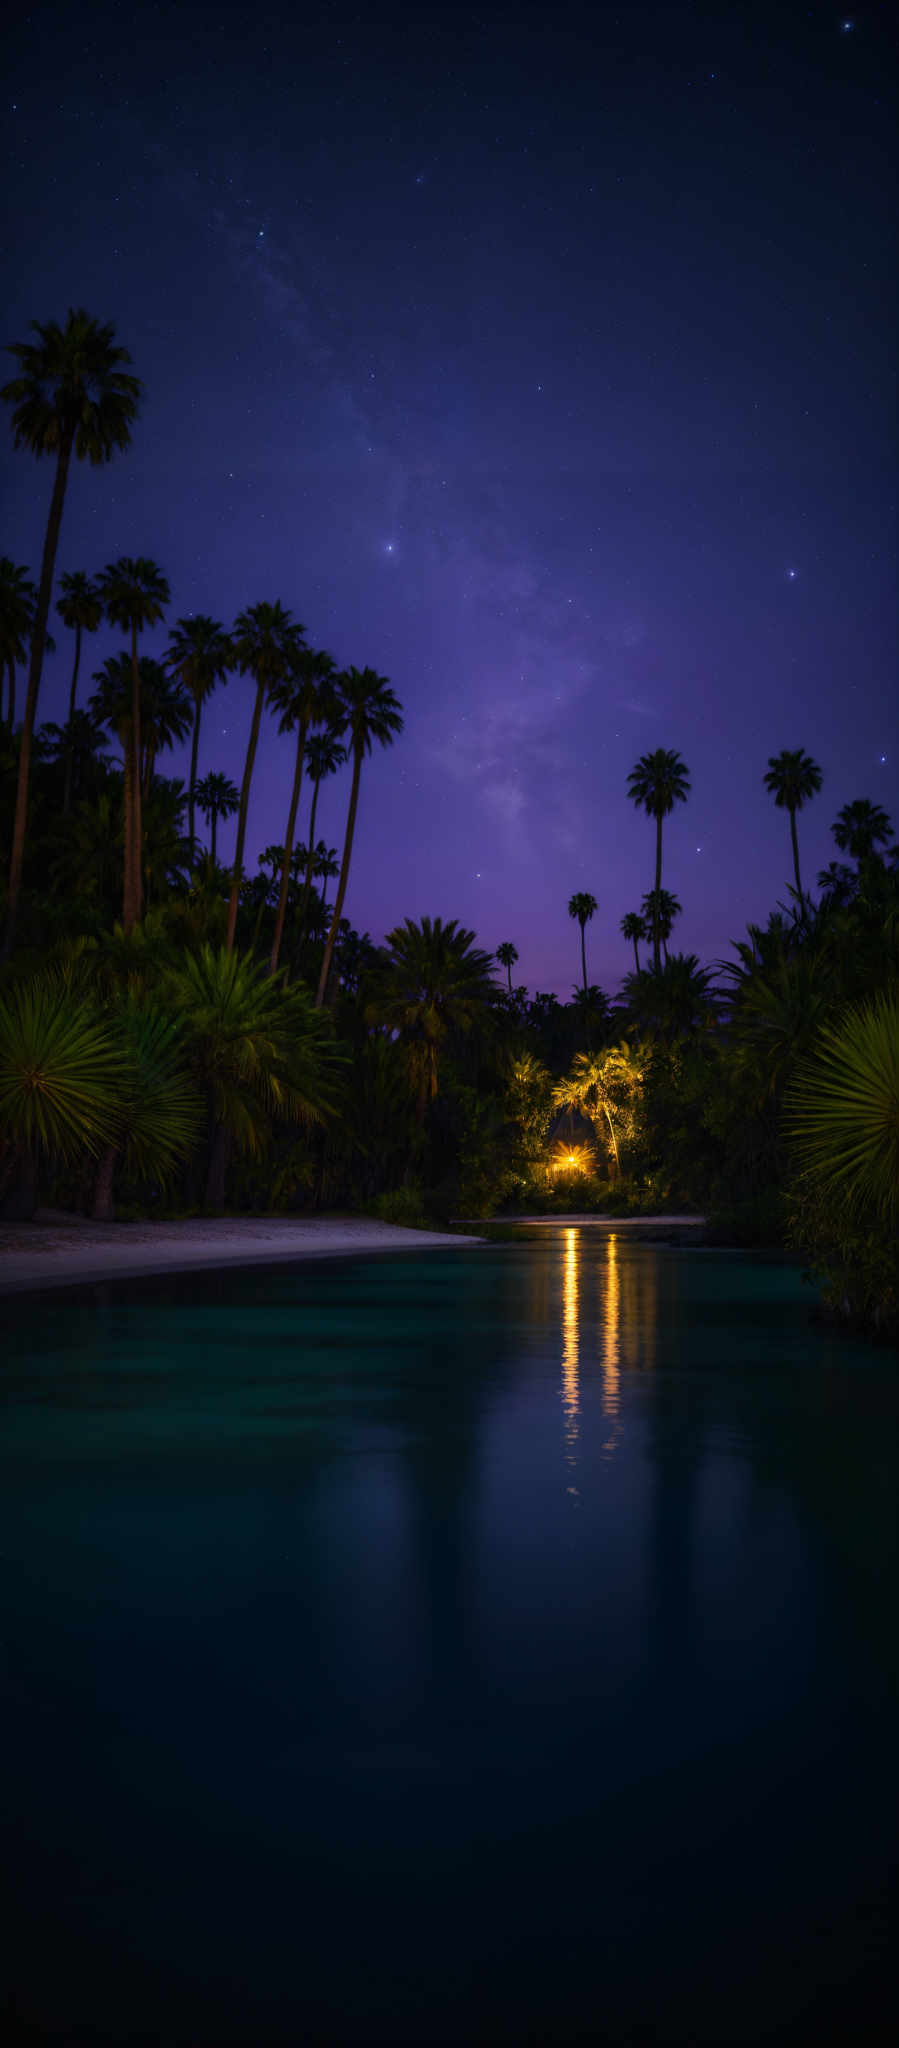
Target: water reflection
<point>611,1323</point>
<point>570,1346</point>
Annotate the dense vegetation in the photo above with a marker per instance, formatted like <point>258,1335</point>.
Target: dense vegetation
<point>177,1033</point>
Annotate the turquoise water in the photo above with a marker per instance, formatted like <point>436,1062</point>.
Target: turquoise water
<point>488,1645</point>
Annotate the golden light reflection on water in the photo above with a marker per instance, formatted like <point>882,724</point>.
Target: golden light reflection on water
<point>571,1346</point>
<point>611,1319</point>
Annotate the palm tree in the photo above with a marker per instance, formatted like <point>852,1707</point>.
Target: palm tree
<point>433,981</point>
<point>217,798</point>
<point>81,608</point>
<point>325,755</point>
<point>507,954</point>
<point>582,906</point>
<point>159,1109</point>
<point>658,782</point>
<point>165,712</point>
<point>843,1109</point>
<point>793,778</point>
<point>18,598</point>
<point>135,593</point>
<point>265,641</point>
<point>837,884</point>
<point>633,928</point>
<point>73,394</point>
<point>604,1085</point>
<point>663,911</point>
<point>200,654</point>
<point>61,1080</point>
<point>373,713</point>
<point>860,828</point>
<point>673,1000</point>
<point>304,698</point>
<point>257,1049</point>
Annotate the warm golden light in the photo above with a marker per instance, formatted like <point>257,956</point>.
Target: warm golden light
<point>610,1318</point>
<point>570,1341</point>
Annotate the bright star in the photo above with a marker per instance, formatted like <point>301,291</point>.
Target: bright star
<point>388,547</point>
<point>792,575</point>
<point>846,28</point>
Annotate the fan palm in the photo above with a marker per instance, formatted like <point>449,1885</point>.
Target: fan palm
<point>843,1109</point>
<point>135,593</point>
<point>633,928</point>
<point>165,712</point>
<point>582,906</point>
<point>200,654</point>
<point>266,641</point>
<point>325,755</point>
<point>433,980</point>
<point>372,713</point>
<point>73,394</point>
<point>793,778</point>
<point>258,1049</point>
<point>304,698</point>
<point>81,609</point>
<point>160,1109</point>
<point>61,1079</point>
<point>658,782</point>
<point>217,798</point>
<point>507,954</point>
<point>673,1000</point>
<point>662,909</point>
<point>860,828</point>
<point>18,598</point>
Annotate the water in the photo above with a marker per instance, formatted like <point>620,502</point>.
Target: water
<point>493,1645</point>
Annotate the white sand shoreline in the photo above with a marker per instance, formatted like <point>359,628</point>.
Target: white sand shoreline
<point>70,1252</point>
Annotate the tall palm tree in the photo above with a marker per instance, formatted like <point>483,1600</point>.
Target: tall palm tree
<point>266,640</point>
<point>81,609</point>
<point>658,782</point>
<point>507,954</point>
<point>135,593</point>
<point>200,654</point>
<point>325,755</point>
<point>665,911</point>
<point>18,598</point>
<point>304,698</point>
<point>165,710</point>
<point>793,778</point>
<point>582,906</point>
<point>73,394</point>
<point>860,828</point>
<point>217,798</point>
<point>634,928</point>
<point>433,980</point>
<point>373,713</point>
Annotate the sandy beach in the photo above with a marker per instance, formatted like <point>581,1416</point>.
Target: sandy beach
<point>54,1251</point>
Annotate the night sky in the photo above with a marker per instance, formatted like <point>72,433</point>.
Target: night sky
<point>539,358</point>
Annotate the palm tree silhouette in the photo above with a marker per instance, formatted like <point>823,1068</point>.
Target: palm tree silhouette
<point>434,980</point>
<point>793,778</point>
<point>664,910</point>
<point>81,609</point>
<point>325,755</point>
<point>860,828</point>
<point>507,954</point>
<point>73,394</point>
<point>658,782</point>
<point>582,906</point>
<point>135,593</point>
<point>373,713</point>
<point>217,798</point>
<point>306,697</point>
<point>633,928</point>
<point>265,643</point>
<point>18,598</point>
<point>200,655</point>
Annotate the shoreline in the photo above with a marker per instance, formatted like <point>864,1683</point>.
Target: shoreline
<point>53,1251</point>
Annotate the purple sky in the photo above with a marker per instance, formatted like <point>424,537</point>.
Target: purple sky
<point>540,359</point>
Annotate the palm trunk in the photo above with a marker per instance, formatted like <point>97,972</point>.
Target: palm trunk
<point>307,884</point>
<point>636,957</point>
<point>509,973</point>
<point>218,1165</point>
<point>614,1141</point>
<point>191,788</point>
<point>128,797</point>
<point>133,898</point>
<point>103,1211</point>
<point>344,878</point>
<point>215,819</point>
<point>67,791</point>
<point>242,816</point>
<point>584,955</point>
<point>795,839</point>
<point>288,843</point>
<point>658,894</point>
<point>38,638</point>
<point>11,672</point>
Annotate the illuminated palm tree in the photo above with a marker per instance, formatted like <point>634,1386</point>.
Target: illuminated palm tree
<point>507,954</point>
<point>373,714</point>
<point>81,609</point>
<point>658,782</point>
<point>266,641</point>
<point>793,778</point>
<point>325,755</point>
<point>73,395</point>
<point>18,598</point>
<point>582,906</point>
<point>860,828</point>
<point>200,655</point>
<point>433,981</point>
<point>633,928</point>
<point>217,798</point>
<point>304,698</point>
<point>135,593</point>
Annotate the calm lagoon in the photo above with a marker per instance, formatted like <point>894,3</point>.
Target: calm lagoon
<point>496,1644</point>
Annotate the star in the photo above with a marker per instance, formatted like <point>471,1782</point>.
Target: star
<point>792,575</point>
<point>846,27</point>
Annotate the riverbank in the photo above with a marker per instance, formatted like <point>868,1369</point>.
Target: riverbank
<point>57,1250</point>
